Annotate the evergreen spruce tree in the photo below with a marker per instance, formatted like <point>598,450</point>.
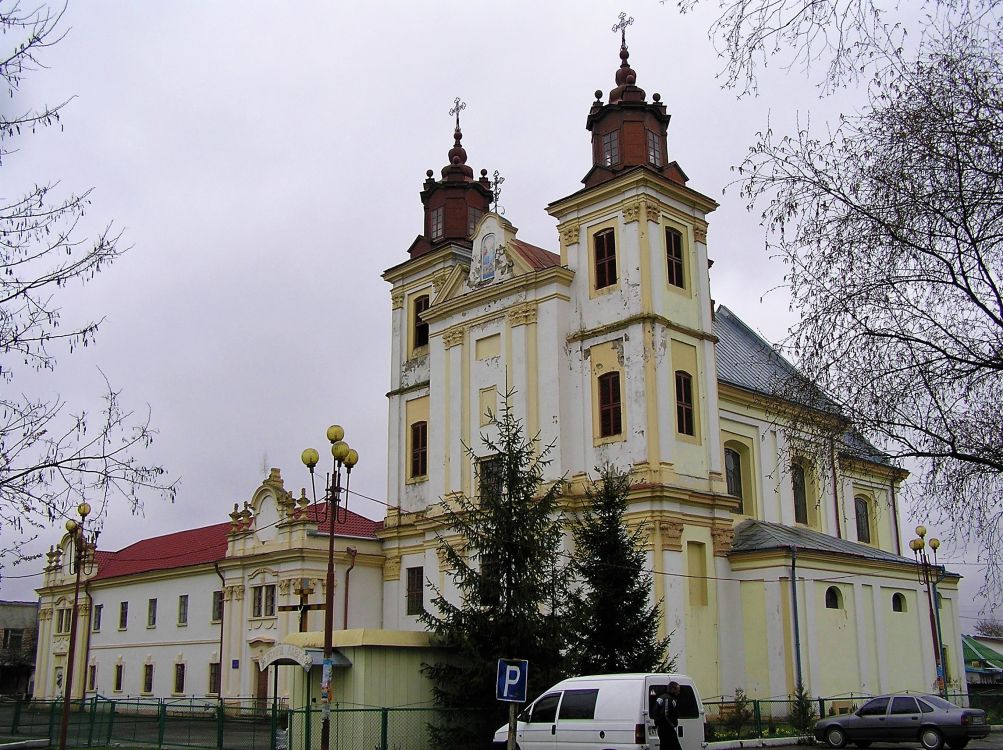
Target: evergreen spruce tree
<point>502,548</point>
<point>611,624</point>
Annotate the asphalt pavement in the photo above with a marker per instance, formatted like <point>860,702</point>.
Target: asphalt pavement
<point>993,741</point>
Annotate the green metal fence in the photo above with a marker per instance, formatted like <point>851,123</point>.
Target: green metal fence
<point>219,725</point>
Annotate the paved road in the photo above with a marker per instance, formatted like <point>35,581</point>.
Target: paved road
<point>993,741</point>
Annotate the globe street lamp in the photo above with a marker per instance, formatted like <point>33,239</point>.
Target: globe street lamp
<point>344,457</point>
<point>83,546</point>
<point>930,574</point>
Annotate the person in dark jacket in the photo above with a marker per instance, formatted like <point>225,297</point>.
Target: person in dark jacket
<point>667,718</point>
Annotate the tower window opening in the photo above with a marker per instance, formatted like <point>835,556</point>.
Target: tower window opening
<point>684,403</point>
<point>655,157</point>
<point>435,223</point>
<point>674,257</point>
<point>611,148</point>
<point>420,326</point>
<point>862,510</point>
<point>800,494</point>
<point>419,449</point>
<point>610,422</point>
<point>605,258</point>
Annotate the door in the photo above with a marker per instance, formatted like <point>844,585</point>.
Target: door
<point>870,723</point>
<point>576,724</point>
<point>903,719</point>
<point>689,707</point>
<point>539,730</point>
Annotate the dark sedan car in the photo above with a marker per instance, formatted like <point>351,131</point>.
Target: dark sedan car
<point>926,719</point>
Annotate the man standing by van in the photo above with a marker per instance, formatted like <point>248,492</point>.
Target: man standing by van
<point>667,718</point>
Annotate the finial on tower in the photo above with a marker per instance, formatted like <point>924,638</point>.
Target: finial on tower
<point>621,26</point>
<point>496,184</point>
<point>458,107</point>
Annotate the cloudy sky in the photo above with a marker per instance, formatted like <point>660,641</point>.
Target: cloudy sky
<point>264,161</point>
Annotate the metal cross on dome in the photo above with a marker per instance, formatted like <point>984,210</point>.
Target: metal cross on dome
<point>458,107</point>
<point>621,26</point>
<point>496,184</point>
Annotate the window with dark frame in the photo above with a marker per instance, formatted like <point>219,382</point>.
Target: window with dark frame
<point>654,149</point>
<point>419,450</point>
<point>147,678</point>
<point>96,618</point>
<point>151,613</point>
<point>833,598</point>
<point>611,148</point>
<point>179,678</point>
<point>13,638</point>
<point>92,676</point>
<point>674,258</point>
<point>123,615</point>
<point>862,509</point>
<point>684,403</point>
<point>800,493</point>
<point>217,606</point>
<point>420,326</point>
<point>491,476</point>
<point>183,609</point>
<point>604,244</point>
<point>610,417</point>
<point>263,601</point>
<point>63,616</point>
<point>214,677</point>
<point>118,677</point>
<point>733,474</point>
<point>473,216</point>
<point>415,590</point>
<point>435,223</point>
<point>898,602</point>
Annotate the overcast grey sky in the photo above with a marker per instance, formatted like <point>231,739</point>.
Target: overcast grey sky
<point>264,160</point>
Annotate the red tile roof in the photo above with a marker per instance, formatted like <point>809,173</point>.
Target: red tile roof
<point>205,545</point>
<point>537,257</point>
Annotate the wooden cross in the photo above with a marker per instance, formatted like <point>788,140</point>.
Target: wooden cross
<point>304,589</point>
<point>621,26</point>
<point>458,107</point>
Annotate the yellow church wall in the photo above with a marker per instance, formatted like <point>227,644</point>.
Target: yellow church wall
<point>903,642</point>
<point>834,642</point>
<point>868,639</point>
<point>700,604</point>
<point>754,627</point>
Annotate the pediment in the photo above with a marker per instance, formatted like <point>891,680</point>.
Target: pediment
<point>494,258</point>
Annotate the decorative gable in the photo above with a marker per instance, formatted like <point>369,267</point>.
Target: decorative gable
<point>492,259</point>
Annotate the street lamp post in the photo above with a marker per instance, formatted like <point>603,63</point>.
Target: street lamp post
<point>344,457</point>
<point>82,545</point>
<point>930,574</point>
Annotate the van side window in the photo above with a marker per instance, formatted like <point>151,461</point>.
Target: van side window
<point>688,708</point>
<point>545,709</point>
<point>579,704</point>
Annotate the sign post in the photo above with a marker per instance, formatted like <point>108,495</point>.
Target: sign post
<point>510,686</point>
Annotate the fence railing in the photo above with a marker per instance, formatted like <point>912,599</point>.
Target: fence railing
<point>99,722</point>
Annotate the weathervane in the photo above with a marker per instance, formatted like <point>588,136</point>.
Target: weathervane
<point>496,184</point>
<point>621,26</point>
<point>458,107</point>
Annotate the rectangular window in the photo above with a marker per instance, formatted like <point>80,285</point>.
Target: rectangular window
<point>733,474</point>
<point>491,476</point>
<point>473,215</point>
<point>13,638</point>
<point>684,403</point>
<point>654,149</point>
<point>147,678</point>
<point>183,609</point>
<point>96,620</point>
<point>63,617</point>
<point>119,671</point>
<point>674,257</point>
<point>800,494</point>
<point>419,449</point>
<point>151,613</point>
<point>435,223</point>
<point>605,258</point>
<point>420,326</point>
<point>217,606</point>
<point>92,676</point>
<point>179,678</point>
<point>611,149</point>
<point>263,601</point>
<point>214,673</point>
<point>863,512</point>
<point>123,615</point>
<point>610,422</point>
<point>415,590</point>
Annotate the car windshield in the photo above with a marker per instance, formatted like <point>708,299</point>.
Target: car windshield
<point>933,700</point>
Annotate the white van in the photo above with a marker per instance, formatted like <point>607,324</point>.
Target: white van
<point>606,712</point>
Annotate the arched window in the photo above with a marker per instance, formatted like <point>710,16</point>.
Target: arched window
<point>605,258</point>
<point>609,404</point>
<point>420,326</point>
<point>733,475</point>
<point>833,598</point>
<point>862,508</point>
<point>684,403</point>
<point>800,493</point>
<point>898,602</point>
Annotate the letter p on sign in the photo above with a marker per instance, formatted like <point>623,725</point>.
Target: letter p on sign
<point>512,678</point>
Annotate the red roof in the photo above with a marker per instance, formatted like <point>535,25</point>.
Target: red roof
<point>205,545</point>
<point>537,257</point>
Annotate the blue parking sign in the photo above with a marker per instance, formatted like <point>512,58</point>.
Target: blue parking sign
<point>513,674</point>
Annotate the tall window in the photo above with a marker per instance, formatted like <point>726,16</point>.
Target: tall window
<point>674,257</point>
<point>654,149</point>
<point>123,615</point>
<point>415,590</point>
<point>63,616</point>
<point>863,512</point>
<point>419,449</point>
<point>420,326</point>
<point>435,223</point>
<point>183,609</point>
<point>217,606</point>
<point>147,678</point>
<point>491,476</point>
<point>473,214</point>
<point>263,601</point>
<point>733,474</point>
<point>605,258</point>
<point>96,619</point>
<point>179,678</point>
<point>684,403</point>
<point>151,613</point>
<point>610,422</point>
<point>611,148</point>
<point>92,676</point>
<point>214,673</point>
<point>118,677</point>
<point>800,494</point>
<point>13,638</point>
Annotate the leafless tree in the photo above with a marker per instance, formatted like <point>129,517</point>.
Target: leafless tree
<point>989,628</point>
<point>52,457</point>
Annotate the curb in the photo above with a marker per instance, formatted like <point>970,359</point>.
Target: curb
<point>759,742</point>
<point>24,744</point>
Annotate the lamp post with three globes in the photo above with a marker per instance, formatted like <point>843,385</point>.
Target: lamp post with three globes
<point>930,574</point>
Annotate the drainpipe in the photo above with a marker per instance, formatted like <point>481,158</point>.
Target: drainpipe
<point>222,615</point>
<point>835,485</point>
<point>352,552</point>
<point>794,605</point>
